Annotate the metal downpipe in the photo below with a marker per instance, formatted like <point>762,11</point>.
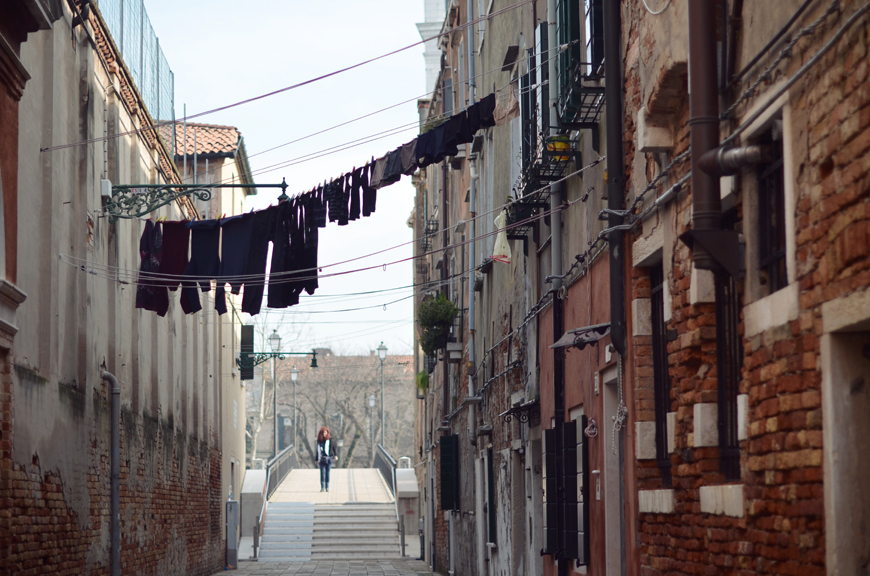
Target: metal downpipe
<point>115,467</point>
<point>615,168</point>
<point>704,124</point>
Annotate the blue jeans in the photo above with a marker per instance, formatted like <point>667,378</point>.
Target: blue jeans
<point>324,475</point>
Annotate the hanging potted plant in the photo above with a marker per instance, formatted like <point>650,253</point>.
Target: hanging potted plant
<point>434,319</point>
<point>422,384</point>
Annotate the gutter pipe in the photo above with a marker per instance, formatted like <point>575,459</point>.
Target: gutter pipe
<point>556,270</point>
<point>472,158</point>
<point>704,124</point>
<point>115,464</point>
<point>613,81</point>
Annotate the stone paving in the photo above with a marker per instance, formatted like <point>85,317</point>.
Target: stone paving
<point>334,568</point>
<point>346,485</point>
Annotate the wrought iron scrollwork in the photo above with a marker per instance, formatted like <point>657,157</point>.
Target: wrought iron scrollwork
<point>524,413</point>
<point>136,201</point>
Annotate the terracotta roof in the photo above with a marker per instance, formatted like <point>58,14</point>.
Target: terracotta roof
<point>211,140</point>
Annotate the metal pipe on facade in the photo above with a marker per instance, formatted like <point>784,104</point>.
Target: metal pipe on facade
<point>472,159</point>
<point>115,470</point>
<point>556,270</point>
<point>704,124</point>
<point>616,167</point>
<point>445,240</point>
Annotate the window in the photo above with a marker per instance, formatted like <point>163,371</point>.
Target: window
<point>771,213</point>
<point>576,511</point>
<point>448,96</point>
<point>594,35</point>
<point>729,356</point>
<point>567,32</point>
<point>661,377</point>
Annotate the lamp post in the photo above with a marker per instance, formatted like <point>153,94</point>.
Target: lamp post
<point>275,345</point>
<point>294,375</point>
<point>372,424</point>
<point>382,354</point>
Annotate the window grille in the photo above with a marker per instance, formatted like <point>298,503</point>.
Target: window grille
<point>729,355</point>
<point>771,213</point>
<point>661,377</point>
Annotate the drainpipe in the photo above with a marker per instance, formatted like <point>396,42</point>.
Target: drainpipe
<point>115,491</point>
<point>556,266</point>
<point>472,159</point>
<point>704,123</point>
<point>615,168</point>
<point>445,240</point>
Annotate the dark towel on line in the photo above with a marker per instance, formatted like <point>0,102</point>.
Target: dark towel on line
<point>355,189</point>
<point>176,241</point>
<point>205,236</point>
<point>263,228</point>
<point>151,294</point>
<point>235,241</point>
<point>393,168</point>
<point>369,195</point>
<point>409,157</point>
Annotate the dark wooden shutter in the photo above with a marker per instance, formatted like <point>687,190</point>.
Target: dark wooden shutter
<point>490,498</point>
<point>246,370</point>
<point>542,53</point>
<point>661,376</point>
<point>570,515</point>
<point>595,34</point>
<point>551,534</point>
<point>449,472</point>
<point>582,494</point>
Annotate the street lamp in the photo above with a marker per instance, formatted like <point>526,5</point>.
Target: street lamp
<point>294,375</point>
<point>372,424</point>
<point>275,345</point>
<point>382,354</point>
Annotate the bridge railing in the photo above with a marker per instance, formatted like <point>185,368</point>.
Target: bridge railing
<point>276,470</point>
<point>386,465</point>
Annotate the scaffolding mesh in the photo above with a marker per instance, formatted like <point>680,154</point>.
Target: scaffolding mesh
<point>134,35</point>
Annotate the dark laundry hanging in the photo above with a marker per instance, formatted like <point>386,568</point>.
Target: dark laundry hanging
<point>409,157</point>
<point>462,127</point>
<point>337,199</point>
<point>282,288</point>
<point>393,168</point>
<point>262,230</point>
<point>320,207</point>
<point>204,262</point>
<point>309,259</point>
<point>444,142</point>
<point>370,195</point>
<point>481,114</point>
<point>425,150</point>
<point>345,183</point>
<point>176,242</point>
<point>151,294</point>
<point>355,191</point>
<point>378,172</point>
<point>235,242</point>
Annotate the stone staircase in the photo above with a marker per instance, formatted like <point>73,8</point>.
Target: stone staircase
<point>299,531</point>
<point>354,531</point>
<point>289,532</point>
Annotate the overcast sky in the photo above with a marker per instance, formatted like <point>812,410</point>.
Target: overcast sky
<point>223,52</point>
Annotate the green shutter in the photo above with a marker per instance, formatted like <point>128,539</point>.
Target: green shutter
<point>449,449</point>
<point>569,502</point>
<point>582,494</point>
<point>490,497</point>
<point>551,534</point>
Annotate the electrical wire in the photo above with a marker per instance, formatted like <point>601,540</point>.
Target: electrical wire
<point>298,84</point>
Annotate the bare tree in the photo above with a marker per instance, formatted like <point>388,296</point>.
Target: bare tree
<point>336,395</point>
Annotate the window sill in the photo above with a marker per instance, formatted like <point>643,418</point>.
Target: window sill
<point>655,501</point>
<point>777,309</point>
<point>725,500</point>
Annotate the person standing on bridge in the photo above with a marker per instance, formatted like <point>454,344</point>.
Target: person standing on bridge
<point>325,456</point>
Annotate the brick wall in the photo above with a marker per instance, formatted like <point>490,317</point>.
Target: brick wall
<point>170,504</point>
<point>782,527</point>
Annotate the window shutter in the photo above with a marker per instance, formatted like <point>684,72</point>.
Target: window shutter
<point>247,347</point>
<point>570,509</point>
<point>490,498</point>
<point>542,68</point>
<point>448,96</point>
<point>582,494</point>
<point>527,120</point>
<point>449,472</point>
<point>594,35</point>
<point>551,535</point>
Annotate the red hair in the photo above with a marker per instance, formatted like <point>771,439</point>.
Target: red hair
<point>324,434</point>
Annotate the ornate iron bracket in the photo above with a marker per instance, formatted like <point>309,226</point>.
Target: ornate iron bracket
<point>141,199</point>
<point>251,359</point>
<point>528,411</point>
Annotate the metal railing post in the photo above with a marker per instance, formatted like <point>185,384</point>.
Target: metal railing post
<point>402,533</point>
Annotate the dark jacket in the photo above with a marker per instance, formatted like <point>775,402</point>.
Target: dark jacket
<point>331,454</point>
